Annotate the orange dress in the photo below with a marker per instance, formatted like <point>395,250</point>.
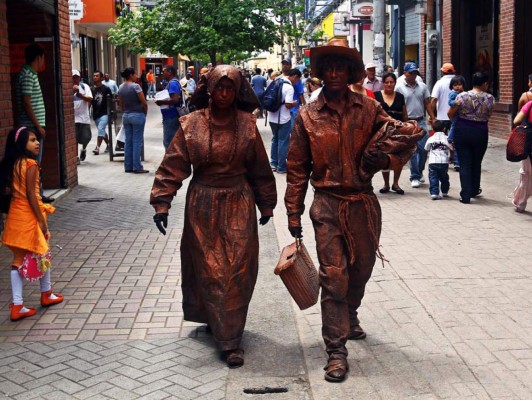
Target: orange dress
<point>22,226</point>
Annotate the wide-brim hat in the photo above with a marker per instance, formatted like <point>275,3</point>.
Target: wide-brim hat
<point>338,47</point>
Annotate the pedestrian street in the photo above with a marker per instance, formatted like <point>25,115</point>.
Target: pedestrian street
<point>447,317</point>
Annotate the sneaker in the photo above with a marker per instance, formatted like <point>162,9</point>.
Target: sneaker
<point>106,150</point>
<point>96,151</point>
<point>435,197</point>
<point>421,180</point>
<point>445,194</point>
<point>83,155</point>
<point>414,183</point>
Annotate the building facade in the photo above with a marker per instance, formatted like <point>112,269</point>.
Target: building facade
<point>45,22</point>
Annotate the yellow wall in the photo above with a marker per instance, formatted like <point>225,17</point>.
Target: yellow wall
<point>327,26</point>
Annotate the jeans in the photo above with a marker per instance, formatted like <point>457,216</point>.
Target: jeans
<point>450,138</point>
<point>134,129</point>
<point>438,173</point>
<point>151,89</point>
<point>280,142</point>
<point>101,124</point>
<point>418,160</point>
<point>292,120</point>
<point>170,127</point>
<point>471,142</point>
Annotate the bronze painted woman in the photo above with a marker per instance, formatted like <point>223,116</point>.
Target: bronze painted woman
<point>231,174</point>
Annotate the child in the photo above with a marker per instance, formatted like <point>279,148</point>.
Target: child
<point>456,85</point>
<point>25,229</point>
<point>438,147</point>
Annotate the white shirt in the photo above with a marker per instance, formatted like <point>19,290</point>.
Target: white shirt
<point>288,97</point>
<point>441,91</point>
<point>438,147</point>
<point>314,95</point>
<point>81,107</point>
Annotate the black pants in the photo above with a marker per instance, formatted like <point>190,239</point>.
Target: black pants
<point>471,142</point>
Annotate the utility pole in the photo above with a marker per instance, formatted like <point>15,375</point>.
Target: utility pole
<point>379,34</point>
<point>432,44</point>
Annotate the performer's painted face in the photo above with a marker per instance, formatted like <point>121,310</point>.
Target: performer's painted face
<point>336,76</point>
<point>224,93</point>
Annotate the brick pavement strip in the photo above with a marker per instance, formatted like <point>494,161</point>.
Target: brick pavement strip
<point>448,317</point>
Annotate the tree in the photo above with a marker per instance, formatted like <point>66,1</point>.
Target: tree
<point>206,29</point>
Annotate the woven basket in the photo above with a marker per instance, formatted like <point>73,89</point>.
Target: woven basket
<point>297,271</point>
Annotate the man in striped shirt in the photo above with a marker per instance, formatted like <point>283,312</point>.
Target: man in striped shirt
<point>29,97</point>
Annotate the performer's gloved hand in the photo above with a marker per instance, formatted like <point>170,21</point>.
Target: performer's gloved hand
<point>375,161</point>
<point>161,221</point>
<point>296,231</point>
<point>264,220</point>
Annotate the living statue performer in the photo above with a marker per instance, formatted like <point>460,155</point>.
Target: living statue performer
<point>231,173</point>
<point>338,143</point>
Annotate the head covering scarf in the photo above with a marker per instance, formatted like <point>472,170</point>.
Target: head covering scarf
<point>246,99</point>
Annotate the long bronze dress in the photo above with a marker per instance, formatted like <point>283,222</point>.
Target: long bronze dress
<point>219,247</point>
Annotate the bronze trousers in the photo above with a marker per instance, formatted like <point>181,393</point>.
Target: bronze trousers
<point>343,283</point>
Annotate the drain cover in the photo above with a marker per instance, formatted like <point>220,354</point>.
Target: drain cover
<point>94,199</point>
<point>266,390</point>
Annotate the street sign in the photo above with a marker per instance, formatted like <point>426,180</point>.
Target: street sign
<point>75,9</point>
<point>362,10</point>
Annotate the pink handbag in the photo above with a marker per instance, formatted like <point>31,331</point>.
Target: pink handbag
<point>35,265</point>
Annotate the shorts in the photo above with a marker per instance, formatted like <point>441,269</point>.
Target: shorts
<point>83,133</point>
<point>101,124</point>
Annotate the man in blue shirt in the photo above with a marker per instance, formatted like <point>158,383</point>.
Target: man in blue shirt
<point>169,106</point>
<point>258,83</point>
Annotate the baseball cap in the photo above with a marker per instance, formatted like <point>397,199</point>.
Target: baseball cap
<point>286,61</point>
<point>370,65</point>
<point>75,72</point>
<point>411,67</point>
<point>447,67</point>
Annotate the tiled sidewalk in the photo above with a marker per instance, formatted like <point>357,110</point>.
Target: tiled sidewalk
<point>448,318</point>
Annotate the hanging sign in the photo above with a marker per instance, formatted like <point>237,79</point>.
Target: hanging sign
<point>362,10</point>
<point>75,9</point>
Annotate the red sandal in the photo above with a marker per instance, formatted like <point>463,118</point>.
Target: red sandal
<point>16,314</point>
<point>46,301</point>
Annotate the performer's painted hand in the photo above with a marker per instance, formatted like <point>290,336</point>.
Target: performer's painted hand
<point>161,221</point>
<point>264,220</point>
<point>374,162</point>
<point>296,231</point>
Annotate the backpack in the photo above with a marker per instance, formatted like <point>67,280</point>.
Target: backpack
<point>272,98</point>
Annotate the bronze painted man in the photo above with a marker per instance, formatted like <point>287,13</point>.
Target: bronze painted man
<point>338,143</point>
<point>231,174</point>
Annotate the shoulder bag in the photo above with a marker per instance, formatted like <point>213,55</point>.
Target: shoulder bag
<point>519,144</point>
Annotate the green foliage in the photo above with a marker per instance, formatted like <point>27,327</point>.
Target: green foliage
<point>204,30</point>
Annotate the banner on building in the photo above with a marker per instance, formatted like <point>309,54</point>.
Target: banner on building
<point>484,47</point>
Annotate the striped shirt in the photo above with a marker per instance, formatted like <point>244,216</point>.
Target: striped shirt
<point>28,85</point>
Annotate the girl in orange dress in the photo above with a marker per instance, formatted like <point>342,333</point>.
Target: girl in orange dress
<point>25,229</point>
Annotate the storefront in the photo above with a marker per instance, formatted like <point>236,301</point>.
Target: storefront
<point>45,23</point>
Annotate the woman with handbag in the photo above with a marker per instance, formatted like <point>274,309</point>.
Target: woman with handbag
<point>523,191</point>
<point>473,109</point>
<point>231,174</point>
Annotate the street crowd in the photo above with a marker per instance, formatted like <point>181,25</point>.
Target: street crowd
<point>334,126</point>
